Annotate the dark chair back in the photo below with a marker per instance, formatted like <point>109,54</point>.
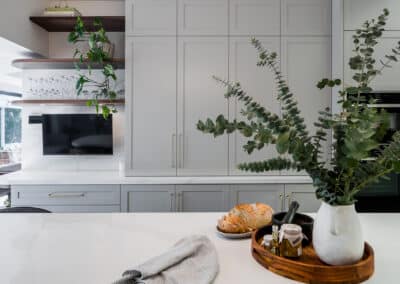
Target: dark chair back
<point>23,210</point>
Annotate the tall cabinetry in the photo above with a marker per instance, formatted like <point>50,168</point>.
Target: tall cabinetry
<point>174,47</point>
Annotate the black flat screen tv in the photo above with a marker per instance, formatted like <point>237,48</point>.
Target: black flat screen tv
<point>77,134</point>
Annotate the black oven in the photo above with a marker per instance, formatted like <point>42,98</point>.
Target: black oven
<point>383,196</point>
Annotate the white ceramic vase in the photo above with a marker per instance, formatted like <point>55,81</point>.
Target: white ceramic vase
<point>337,235</point>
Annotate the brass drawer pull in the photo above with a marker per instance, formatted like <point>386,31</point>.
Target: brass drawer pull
<point>66,195</point>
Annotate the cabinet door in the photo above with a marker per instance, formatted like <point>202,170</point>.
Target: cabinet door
<point>151,106</point>
<point>306,17</point>
<point>389,79</point>
<point>150,17</point>
<point>271,194</point>
<point>200,97</point>
<point>305,61</point>
<point>202,17</point>
<point>202,198</point>
<point>356,12</point>
<point>258,83</point>
<point>304,194</point>
<point>254,17</point>
<point>148,198</point>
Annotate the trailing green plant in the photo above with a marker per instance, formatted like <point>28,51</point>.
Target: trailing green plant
<point>98,54</point>
<point>357,129</point>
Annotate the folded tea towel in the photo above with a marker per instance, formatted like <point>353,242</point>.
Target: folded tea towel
<point>192,260</point>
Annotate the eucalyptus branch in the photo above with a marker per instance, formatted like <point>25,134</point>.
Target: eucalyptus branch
<point>97,54</point>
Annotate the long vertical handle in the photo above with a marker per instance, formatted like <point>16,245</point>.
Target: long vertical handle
<point>282,202</point>
<point>180,202</point>
<point>181,151</point>
<point>173,151</point>
<point>172,201</point>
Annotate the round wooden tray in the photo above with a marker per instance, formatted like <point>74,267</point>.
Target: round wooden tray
<point>308,268</point>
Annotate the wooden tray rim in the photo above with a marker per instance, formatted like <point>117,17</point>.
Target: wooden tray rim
<point>258,252</point>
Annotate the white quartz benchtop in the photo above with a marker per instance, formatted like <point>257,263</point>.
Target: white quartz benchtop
<point>110,177</point>
<point>97,248</point>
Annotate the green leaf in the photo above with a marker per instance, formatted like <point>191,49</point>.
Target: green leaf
<point>283,143</point>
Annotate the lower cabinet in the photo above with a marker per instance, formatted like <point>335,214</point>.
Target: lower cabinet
<point>148,198</point>
<point>68,198</point>
<point>203,198</point>
<point>170,198</point>
<point>272,194</point>
<point>278,196</point>
<point>304,194</point>
<point>82,209</point>
<point>161,198</point>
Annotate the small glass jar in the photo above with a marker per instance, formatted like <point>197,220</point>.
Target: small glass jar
<point>290,239</point>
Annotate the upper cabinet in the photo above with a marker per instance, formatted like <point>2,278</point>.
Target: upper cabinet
<point>174,47</point>
<point>306,17</point>
<point>389,79</point>
<point>356,12</point>
<point>151,17</point>
<point>305,61</point>
<point>254,17</point>
<point>258,83</point>
<point>151,106</point>
<point>200,97</point>
<point>202,17</point>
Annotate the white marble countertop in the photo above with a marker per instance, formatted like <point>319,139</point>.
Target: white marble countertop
<point>97,248</point>
<point>115,177</point>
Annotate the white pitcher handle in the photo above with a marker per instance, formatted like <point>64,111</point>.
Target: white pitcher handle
<point>334,225</point>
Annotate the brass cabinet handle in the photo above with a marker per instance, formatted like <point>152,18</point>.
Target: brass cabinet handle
<point>180,202</point>
<point>181,151</point>
<point>282,202</point>
<point>173,151</point>
<point>66,195</point>
<point>172,201</point>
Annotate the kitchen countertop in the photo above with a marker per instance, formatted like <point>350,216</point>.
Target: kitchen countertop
<point>115,177</point>
<point>97,248</point>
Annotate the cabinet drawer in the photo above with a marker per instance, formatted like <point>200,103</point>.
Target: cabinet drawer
<point>81,208</point>
<point>66,195</point>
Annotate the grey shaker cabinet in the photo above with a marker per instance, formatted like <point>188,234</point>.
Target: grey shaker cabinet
<point>304,194</point>
<point>148,198</point>
<point>272,194</point>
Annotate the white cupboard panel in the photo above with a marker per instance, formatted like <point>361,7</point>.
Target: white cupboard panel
<point>151,17</point>
<point>202,198</point>
<point>304,194</point>
<point>259,83</point>
<point>199,97</point>
<point>271,194</point>
<point>306,17</point>
<point>151,106</point>
<point>356,12</point>
<point>202,17</point>
<point>305,61</point>
<point>389,79</point>
<point>254,17</point>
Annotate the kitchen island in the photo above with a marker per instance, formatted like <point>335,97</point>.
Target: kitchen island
<point>97,248</point>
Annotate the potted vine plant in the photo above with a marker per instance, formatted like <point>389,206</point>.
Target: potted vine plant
<point>357,130</point>
<point>95,49</point>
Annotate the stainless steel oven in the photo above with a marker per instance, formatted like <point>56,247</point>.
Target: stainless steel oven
<point>383,196</point>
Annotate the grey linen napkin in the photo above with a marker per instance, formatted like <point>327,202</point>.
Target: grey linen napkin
<point>192,260</point>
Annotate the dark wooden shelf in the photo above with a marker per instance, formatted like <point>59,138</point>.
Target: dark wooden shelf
<point>66,24</point>
<point>65,102</point>
<point>60,63</point>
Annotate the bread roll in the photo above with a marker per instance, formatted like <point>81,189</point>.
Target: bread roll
<point>246,217</point>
